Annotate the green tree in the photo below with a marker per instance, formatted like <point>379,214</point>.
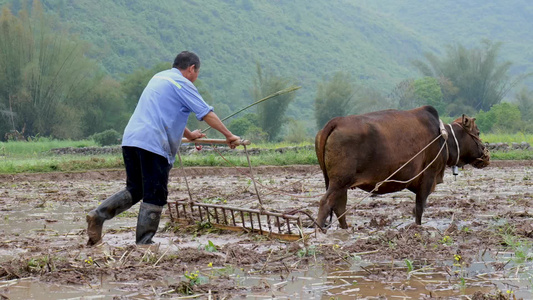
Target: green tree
<point>525,103</point>
<point>297,132</point>
<point>428,92</point>
<point>241,126</point>
<point>368,99</point>
<point>104,108</point>
<point>12,57</point>
<point>271,113</point>
<point>333,98</point>
<point>133,84</point>
<point>503,118</point>
<point>403,94</point>
<point>45,74</point>
<point>481,80</point>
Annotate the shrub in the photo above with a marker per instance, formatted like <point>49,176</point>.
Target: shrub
<point>107,138</point>
<point>504,117</point>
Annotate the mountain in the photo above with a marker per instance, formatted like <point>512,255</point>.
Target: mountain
<point>373,40</point>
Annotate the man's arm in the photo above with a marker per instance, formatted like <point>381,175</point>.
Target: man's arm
<point>212,120</point>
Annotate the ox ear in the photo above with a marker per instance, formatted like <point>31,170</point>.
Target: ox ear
<point>468,122</point>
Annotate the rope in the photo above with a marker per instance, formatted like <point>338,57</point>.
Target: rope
<point>253,179</point>
<point>272,190</point>
<point>456,143</point>
<point>293,211</point>
<point>186,182</point>
<point>407,181</point>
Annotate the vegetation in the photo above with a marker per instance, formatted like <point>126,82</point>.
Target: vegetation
<point>107,138</point>
<point>72,69</point>
<point>35,156</point>
<point>473,79</point>
<point>47,85</point>
<point>333,98</point>
<point>503,117</point>
<point>507,138</point>
<point>271,114</point>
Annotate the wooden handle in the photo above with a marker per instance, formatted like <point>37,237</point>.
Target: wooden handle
<point>215,141</point>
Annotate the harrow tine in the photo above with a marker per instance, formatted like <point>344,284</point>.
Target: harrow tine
<point>242,219</point>
<point>170,212</point>
<point>268,222</point>
<point>259,221</point>
<point>233,217</point>
<point>251,221</point>
<point>200,213</point>
<point>224,215</point>
<point>216,215</point>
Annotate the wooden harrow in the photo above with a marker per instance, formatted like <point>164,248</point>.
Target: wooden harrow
<point>286,226</point>
<point>289,227</point>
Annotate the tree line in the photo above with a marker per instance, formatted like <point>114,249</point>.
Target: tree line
<point>49,87</point>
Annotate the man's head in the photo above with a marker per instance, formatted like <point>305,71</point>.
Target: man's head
<point>189,65</point>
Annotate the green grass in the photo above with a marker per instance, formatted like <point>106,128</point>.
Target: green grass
<point>35,156</point>
<point>300,157</point>
<point>507,138</point>
<point>56,163</point>
<point>512,155</point>
<point>33,148</point>
<point>510,138</point>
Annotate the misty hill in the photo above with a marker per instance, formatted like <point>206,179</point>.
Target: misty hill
<point>373,40</point>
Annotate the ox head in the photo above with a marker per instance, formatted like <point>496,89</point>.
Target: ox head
<point>475,151</point>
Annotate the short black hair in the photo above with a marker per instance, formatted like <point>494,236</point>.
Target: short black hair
<point>186,59</point>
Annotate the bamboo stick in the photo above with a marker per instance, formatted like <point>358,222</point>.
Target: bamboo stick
<point>215,141</point>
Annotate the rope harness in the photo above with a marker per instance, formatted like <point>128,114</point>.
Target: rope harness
<point>456,143</point>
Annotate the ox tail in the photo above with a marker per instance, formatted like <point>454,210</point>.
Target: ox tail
<point>320,147</point>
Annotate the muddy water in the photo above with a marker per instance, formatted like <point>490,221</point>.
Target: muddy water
<point>314,283</point>
<point>42,219</point>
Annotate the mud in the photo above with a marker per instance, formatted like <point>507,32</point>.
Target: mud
<point>475,240</point>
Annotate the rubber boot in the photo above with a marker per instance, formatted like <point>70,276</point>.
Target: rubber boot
<point>111,207</point>
<point>147,223</point>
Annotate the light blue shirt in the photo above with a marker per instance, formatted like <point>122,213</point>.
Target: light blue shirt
<point>158,122</point>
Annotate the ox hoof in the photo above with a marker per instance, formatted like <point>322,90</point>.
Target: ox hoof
<point>413,226</point>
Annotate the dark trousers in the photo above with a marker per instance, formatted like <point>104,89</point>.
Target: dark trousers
<point>146,175</point>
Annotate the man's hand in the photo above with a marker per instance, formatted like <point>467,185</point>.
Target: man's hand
<point>192,135</point>
<point>231,139</point>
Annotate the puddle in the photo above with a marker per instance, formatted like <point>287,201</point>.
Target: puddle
<point>384,280</point>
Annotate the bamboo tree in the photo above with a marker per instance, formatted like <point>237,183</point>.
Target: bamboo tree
<point>45,75</point>
<point>333,98</point>
<point>11,57</point>
<point>476,75</point>
<point>271,114</point>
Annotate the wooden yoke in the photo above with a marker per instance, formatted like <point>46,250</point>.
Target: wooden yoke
<point>215,141</point>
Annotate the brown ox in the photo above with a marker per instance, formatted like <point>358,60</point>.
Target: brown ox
<point>364,150</point>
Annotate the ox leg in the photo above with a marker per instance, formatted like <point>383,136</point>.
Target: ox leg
<point>333,201</point>
<point>340,209</point>
<point>421,199</point>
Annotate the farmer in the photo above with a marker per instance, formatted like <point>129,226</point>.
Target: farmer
<point>150,143</point>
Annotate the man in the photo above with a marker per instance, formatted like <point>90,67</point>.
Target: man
<point>150,143</point>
